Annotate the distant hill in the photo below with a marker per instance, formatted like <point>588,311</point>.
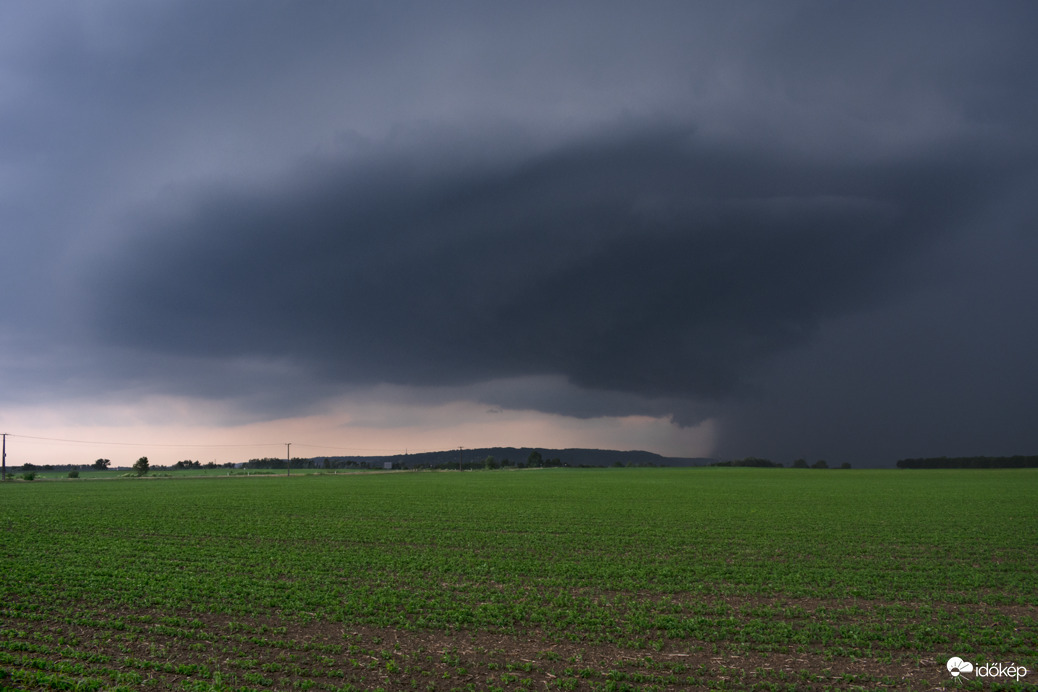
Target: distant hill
<point>518,456</point>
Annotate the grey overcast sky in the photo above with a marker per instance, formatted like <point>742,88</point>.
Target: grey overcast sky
<point>780,229</point>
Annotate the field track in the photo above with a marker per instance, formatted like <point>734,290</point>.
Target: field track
<point>612,579</point>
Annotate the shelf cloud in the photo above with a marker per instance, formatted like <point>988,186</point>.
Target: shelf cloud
<point>810,227</point>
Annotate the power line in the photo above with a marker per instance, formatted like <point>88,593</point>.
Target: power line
<point>195,445</point>
<point>348,449</point>
<point>140,444</point>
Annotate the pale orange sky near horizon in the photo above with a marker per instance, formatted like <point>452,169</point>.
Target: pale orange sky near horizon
<point>81,435</point>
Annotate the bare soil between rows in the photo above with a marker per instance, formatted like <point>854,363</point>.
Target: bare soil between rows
<point>168,651</point>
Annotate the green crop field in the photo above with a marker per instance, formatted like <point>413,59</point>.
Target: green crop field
<point>611,579</point>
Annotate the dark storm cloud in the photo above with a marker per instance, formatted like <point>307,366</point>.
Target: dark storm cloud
<point>945,370</point>
<point>802,220</point>
<point>646,262</point>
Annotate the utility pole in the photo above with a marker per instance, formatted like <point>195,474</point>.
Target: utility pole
<point>461,459</point>
<point>3,468</point>
<point>288,457</point>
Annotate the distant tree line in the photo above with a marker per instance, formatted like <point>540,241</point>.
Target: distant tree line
<point>105,464</point>
<point>534,460</point>
<point>757,462</point>
<point>51,467</point>
<point>750,462</point>
<point>99,465</point>
<point>298,463</point>
<point>1014,462</point>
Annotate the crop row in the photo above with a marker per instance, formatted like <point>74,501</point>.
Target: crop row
<point>652,578</point>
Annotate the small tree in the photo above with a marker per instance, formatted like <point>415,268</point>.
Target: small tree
<point>101,464</point>
<point>845,465</point>
<point>141,466</point>
<point>800,464</point>
<point>820,464</point>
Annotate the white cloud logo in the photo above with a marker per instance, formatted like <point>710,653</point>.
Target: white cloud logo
<point>956,665</point>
